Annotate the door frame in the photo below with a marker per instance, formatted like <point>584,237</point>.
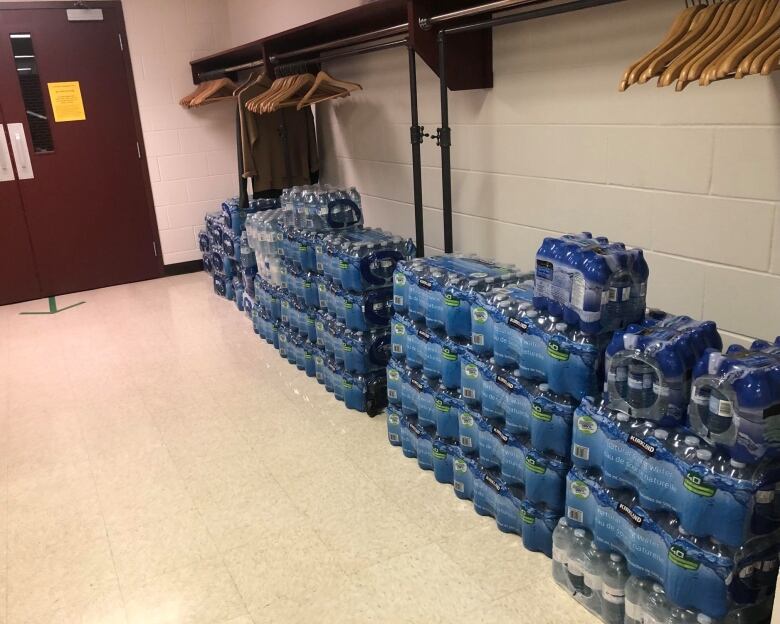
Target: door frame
<point>147,182</point>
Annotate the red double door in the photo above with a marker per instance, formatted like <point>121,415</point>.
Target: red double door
<point>75,200</point>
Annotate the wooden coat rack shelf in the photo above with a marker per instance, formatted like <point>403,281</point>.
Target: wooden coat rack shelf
<point>469,60</point>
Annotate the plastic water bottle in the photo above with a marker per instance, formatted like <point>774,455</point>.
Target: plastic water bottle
<point>614,590</point>
<point>577,561</point>
<point>640,385</point>
<point>637,592</point>
<point>563,537</point>
<point>595,567</point>
<point>687,451</point>
<point>719,414</point>
<point>658,610</point>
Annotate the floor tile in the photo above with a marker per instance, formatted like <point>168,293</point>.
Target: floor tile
<point>148,550</point>
<point>364,536</point>
<point>203,593</point>
<point>411,587</point>
<point>72,580</point>
<point>293,566</point>
<point>251,517</point>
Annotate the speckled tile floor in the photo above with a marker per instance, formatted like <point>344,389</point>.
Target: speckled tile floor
<point>159,463</point>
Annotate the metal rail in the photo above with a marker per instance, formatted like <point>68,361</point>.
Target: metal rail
<point>426,23</point>
<point>226,70</point>
<point>374,35</point>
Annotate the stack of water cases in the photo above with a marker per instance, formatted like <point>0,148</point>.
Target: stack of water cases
<point>227,256</point>
<point>671,506</point>
<point>458,403</point>
<point>323,290</point>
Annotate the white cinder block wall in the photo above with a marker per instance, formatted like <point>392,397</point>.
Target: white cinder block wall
<point>692,177</point>
<point>191,154</point>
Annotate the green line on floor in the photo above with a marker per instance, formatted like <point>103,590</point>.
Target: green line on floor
<point>53,307</point>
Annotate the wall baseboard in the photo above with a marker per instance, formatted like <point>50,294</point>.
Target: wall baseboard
<point>181,268</point>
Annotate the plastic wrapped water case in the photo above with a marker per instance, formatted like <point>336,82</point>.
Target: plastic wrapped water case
<point>674,471</point>
<point>440,290</point>
<point>735,400</point>
<point>522,405</point>
<point>590,283</point>
<point>698,574</point>
<point>505,324</point>
<point>649,366</point>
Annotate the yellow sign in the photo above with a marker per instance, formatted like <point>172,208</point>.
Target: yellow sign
<point>66,101</point>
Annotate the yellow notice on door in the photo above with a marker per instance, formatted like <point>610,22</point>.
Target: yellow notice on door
<point>66,101</point>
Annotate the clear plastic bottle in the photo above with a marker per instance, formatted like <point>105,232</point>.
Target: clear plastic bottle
<point>576,564</point>
<point>614,589</point>
<point>719,412</point>
<point>562,537</point>
<point>640,384</point>
<point>594,567</point>
<point>637,593</point>
<point>658,610</point>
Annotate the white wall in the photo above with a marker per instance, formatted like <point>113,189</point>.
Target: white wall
<point>191,153</point>
<point>554,147</point>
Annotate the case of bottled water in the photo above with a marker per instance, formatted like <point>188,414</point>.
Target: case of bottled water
<point>440,290</point>
<point>649,366</point>
<point>538,345</point>
<point>735,400</point>
<point>366,351</point>
<point>543,475</point>
<point>434,405</point>
<point>321,207</point>
<point>672,470</point>
<point>522,405</point>
<point>234,218</point>
<point>590,283</point>
<point>700,574</point>
<point>422,349</point>
<point>361,259</point>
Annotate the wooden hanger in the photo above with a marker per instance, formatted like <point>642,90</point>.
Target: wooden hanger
<point>696,66</point>
<point>767,22</point>
<point>186,101</point>
<point>294,92</point>
<point>756,58</point>
<point>772,62</point>
<point>679,27</point>
<point>256,102</point>
<point>251,79</point>
<point>699,26</point>
<point>326,87</point>
<point>722,12</point>
<point>752,10</point>
<point>215,91</point>
<point>730,19</point>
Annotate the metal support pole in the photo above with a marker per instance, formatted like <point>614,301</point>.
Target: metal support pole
<point>416,133</point>
<point>445,142</point>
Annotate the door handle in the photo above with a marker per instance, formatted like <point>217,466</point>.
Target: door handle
<point>6,168</point>
<point>24,168</point>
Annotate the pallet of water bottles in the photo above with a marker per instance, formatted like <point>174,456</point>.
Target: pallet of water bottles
<point>508,503</point>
